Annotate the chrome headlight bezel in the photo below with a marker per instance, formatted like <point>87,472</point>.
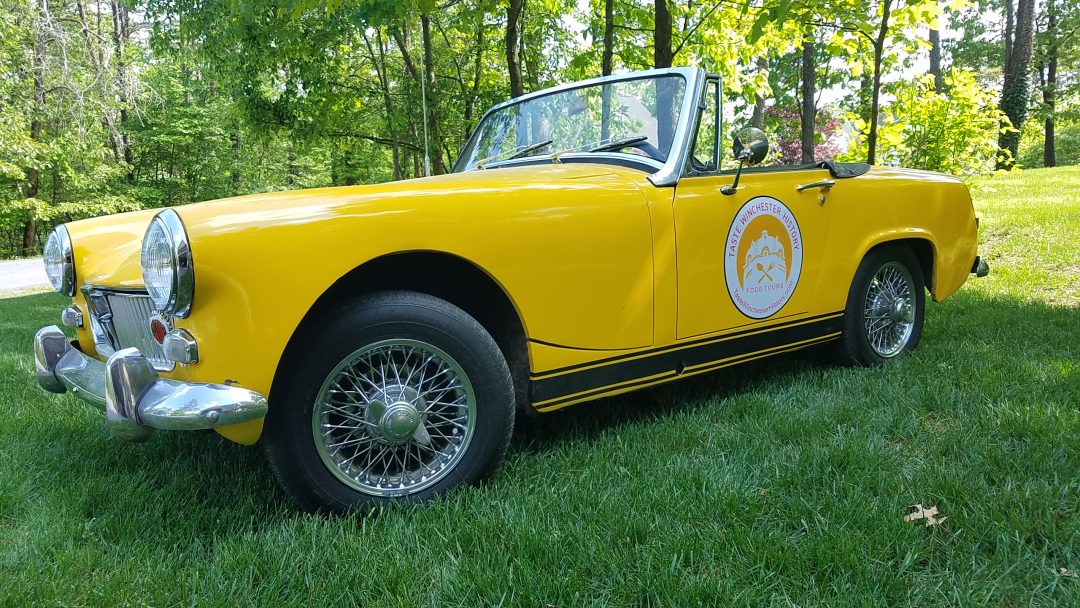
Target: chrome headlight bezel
<point>176,250</point>
<point>59,242</point>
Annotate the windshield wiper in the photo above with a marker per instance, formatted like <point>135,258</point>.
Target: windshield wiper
<point>524,151</point>
<point>620,143</point>
<point>516,154</point>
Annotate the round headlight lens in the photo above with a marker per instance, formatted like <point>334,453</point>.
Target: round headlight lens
<point>158,265</point>
<point>59,261</point>
<point>166,265</point>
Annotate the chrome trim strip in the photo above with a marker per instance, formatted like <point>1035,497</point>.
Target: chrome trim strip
<point>135,399</point>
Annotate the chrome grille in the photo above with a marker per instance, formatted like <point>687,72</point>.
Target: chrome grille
<point>131,322</point>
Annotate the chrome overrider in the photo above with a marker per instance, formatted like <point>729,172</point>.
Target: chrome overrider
<point>135,399</point>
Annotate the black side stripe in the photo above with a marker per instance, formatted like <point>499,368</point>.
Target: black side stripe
<point>688,356</point>
<point>673,375</point>
<point>713,338</point>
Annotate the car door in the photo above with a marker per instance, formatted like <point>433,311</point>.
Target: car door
<point>753,257</point>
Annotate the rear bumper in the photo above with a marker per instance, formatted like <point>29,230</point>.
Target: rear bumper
<point>135,399</point>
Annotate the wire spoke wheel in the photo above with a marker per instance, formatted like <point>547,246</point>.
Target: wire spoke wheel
<point>889,309</point>
<point>394,417</point>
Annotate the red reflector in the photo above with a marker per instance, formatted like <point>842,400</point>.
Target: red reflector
<point>158,329</point>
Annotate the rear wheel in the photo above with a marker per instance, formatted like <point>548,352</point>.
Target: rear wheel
<point>885,308</point>
<point>401,397</point>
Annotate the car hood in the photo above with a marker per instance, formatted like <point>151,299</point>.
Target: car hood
<point>107,249</point>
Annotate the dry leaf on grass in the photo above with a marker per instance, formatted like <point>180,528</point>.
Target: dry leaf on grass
<point>1066,572</point>
<point>930,514</point>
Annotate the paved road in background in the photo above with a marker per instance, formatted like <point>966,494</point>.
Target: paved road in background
<point>22,276</point>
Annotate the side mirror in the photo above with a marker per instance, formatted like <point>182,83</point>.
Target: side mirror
<point>750,146</point>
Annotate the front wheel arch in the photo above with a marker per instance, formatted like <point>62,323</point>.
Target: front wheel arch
<point>443,275</point>
<point>922,247</point>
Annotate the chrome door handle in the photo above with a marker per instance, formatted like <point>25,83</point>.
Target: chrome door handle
<point>824,185</point>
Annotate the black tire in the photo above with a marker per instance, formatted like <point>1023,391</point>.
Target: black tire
<point>296,442</point>
<point>856,345</point>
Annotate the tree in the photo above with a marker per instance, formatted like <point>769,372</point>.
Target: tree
<point>808,113</point>
<point>607,63</point>
<point>935,59</point>
<point>876,22</point>
<point>662,50</point>
<point>1018,43</point>
<point>1049,84</point>
<point>513,47</point>
<point>1055,47</point>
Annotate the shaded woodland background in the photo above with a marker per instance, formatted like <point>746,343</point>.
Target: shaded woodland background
<point>116,105</point>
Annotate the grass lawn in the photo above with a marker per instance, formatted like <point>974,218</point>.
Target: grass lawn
<point>782,483</point>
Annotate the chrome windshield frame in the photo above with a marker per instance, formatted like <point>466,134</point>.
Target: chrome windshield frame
<point>669,172</point>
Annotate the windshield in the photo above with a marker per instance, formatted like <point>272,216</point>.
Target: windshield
<point>632,116</point>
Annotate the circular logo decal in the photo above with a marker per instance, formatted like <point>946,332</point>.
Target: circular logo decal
<point>763,257</point>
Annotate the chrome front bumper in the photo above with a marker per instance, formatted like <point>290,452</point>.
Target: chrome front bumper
<point>135,399</point>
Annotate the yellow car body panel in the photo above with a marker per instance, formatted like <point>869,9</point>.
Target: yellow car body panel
<point>605,270</point>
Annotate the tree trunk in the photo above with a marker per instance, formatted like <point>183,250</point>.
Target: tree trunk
<point>1010,21</point>
<point>292,171</point>
<point>33,176</point>
<point>665,96</point>
<point>513,52</point>
<point>1014,91</point>
<point>935,61</point>
<point>1049,92</point>
<point>94,52</point>
<point>236,176</point>
<point>435,149</point>
<point>120,36</point>
<point>379,61</point>
<point>875,93</point>
<point>607,63</point>
<point>757,119</point>
<point>808,113</point>
<point>474,89</point>
<point>429,75</point>
<point>662,55</point>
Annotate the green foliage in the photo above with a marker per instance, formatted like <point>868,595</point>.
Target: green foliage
<point>1067,143</point>
<point>954,132</point>
<point>225,97</point>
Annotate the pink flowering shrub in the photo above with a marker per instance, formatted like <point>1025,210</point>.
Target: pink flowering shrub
<point>785,128</point>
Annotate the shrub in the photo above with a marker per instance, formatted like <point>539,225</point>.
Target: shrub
<point>953,132</point>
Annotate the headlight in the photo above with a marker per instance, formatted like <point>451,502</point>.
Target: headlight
<point>167,269</point>
<point>59,261</point>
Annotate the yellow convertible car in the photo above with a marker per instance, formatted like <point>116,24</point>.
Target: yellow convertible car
<point>380,340</point>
